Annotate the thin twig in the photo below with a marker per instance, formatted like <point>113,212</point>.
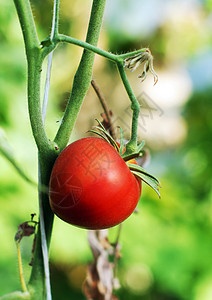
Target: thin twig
<point>104,105</point>
<point>23,284</point>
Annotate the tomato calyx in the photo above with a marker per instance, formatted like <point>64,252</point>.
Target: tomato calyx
<point>136,170</point>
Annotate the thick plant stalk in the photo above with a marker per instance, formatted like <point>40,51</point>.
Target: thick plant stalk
<point>39,285</point>
<point>34,66</point>
<point>82,77</point>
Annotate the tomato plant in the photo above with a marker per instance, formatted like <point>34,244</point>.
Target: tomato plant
<point>94,183</point>
<point>91,186</point>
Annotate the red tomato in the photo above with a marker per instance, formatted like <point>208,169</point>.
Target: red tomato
<point>91,186</point>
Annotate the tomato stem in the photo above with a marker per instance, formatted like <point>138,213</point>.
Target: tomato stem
<point>34,62</point>
<point>82,77</point>
<point>132,144</point>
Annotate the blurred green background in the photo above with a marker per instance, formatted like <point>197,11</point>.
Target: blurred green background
<point>167,246</point>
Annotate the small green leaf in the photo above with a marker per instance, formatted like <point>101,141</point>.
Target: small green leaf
<point>100,134</point>
<point>100,124</point>
<point>148,180</point>
<point>139,169</point>
<point>145,176</point>
<point>112,141</point>
<point>110,138</point>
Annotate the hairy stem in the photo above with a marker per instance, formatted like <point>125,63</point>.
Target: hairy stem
<point>86,45</point>
<point>28,26</point>
<point>82,77</point>
<point>46,150</point>
<point>132,144</point>
<point>34,60</point>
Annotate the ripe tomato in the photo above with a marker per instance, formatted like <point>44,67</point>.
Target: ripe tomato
<point>91,186</point>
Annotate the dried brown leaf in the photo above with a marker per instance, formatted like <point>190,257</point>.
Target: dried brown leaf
<point>100,282</point>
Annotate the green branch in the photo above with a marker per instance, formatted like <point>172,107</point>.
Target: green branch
<point>47,155</point>
<point>86,45</point>
<point>43,143</point>
<point>82,77</point>
<point>28,26</point>
<point>55,18</point>
<point>132,144</point>
<point>34,59</point>
<point>61,38</point>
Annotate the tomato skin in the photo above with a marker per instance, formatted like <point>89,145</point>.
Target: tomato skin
<point>91,186</point>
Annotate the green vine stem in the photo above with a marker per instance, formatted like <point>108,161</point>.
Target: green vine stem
<point>45,147</point>
<point>34,63</point>
<point>82,77</point>
<point>61,38</point>
<point>132,144</point>
<point>37,282</point>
